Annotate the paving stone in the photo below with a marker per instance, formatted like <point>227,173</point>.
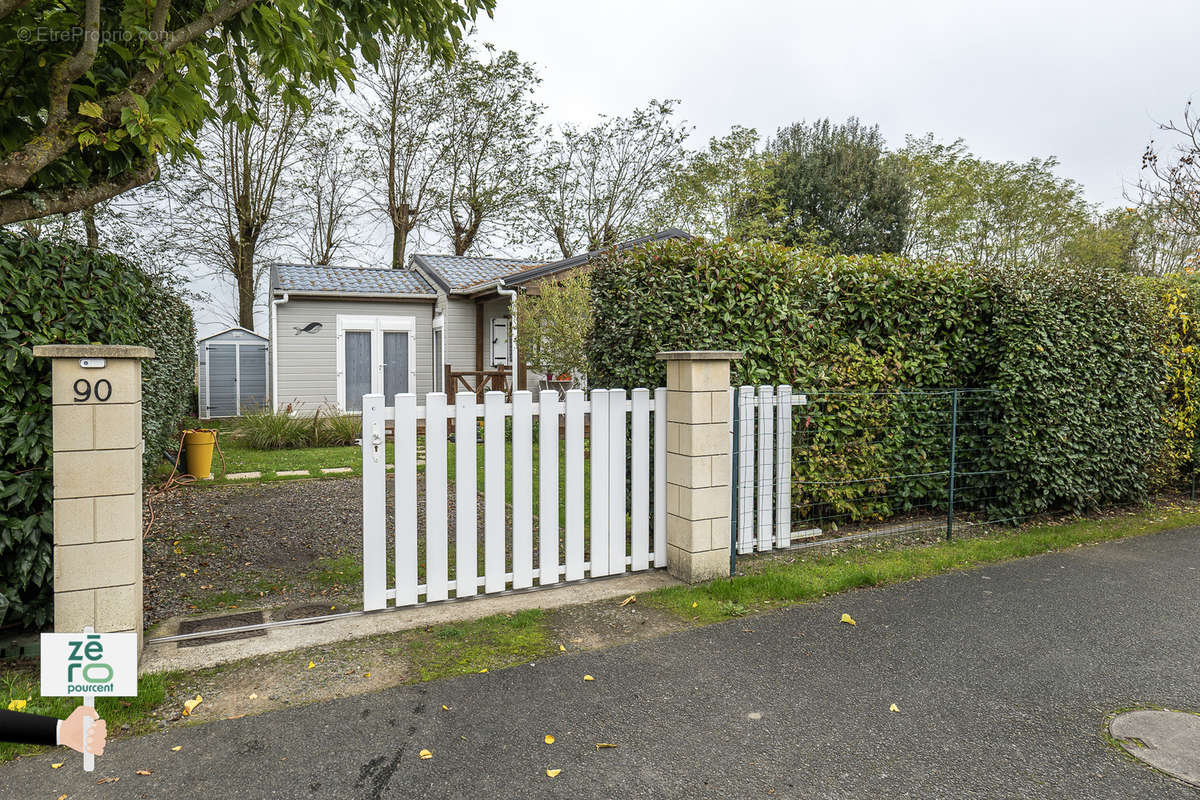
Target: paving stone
<point>328,470</point>
<point>289,473</point>
<point>241,476</point>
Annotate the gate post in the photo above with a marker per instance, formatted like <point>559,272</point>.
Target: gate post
<point>97,408</point>
<point>698,470</point>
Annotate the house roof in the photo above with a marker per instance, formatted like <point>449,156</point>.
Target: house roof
<point>542,270</point>
<point>323,279</point>
<point>459,272</point>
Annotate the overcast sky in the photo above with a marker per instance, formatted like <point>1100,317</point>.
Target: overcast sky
<point>1082,81</point>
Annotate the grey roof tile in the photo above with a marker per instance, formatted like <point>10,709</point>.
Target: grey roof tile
<point>462,271</point>
<point>365,280</point>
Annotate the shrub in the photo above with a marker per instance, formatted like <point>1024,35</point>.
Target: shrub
<point>343,429</point>
<point>53,292</point>
<point>1075,359</point>
<point>273,430</point>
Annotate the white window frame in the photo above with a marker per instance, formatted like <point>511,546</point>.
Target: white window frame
<point>507,340</point>
<point>439,375</point>
<point>376,326</point>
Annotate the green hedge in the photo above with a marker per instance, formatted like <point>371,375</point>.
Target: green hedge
<point>1076,418</point>
<point>62,293</point>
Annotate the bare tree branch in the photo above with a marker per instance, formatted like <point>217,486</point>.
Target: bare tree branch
<point>14,208</point>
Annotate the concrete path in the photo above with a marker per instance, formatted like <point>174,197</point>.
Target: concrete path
<point>1004,678</point>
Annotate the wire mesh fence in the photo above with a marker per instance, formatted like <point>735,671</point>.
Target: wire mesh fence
<point>856,464</point>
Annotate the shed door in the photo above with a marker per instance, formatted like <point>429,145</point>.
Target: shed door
<point>222,380</point>
<point>253,379</point>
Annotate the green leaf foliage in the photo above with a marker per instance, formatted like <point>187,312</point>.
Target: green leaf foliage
<point>61,293</point>
<point>1076,362</point>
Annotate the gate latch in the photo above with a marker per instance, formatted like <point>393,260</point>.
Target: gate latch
<point>376,442</point>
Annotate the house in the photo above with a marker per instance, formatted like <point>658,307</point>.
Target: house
<point>443,324</point>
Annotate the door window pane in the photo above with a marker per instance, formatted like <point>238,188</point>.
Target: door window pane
<point>395,365</point>
<point>358,368</point>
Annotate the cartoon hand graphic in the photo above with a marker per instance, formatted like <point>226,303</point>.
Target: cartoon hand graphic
<point>71,734</point>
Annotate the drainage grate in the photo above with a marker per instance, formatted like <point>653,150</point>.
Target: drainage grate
<point>218,623</point>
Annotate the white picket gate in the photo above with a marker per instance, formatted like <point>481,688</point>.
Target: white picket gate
<point>598,538</point>
<point>761,448</point>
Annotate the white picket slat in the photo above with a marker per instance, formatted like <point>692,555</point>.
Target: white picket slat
<point>766,466</point>
<point>639,541</point>
<point>436,542</point>
<point>493,492</point>
<point>783,466</point>
<point>405,493</point>
<point>466,496</point>
<point>548,417</point>
<point>745,445</point>
<point>575,517</point>
<point>522,490</point>
<point>600,501</point>
<point>374,493</point>
<point>660,477</point>
<point>617,461</point>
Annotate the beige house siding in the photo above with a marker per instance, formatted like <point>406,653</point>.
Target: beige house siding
<point>460,334</point>
<point>307,369</point>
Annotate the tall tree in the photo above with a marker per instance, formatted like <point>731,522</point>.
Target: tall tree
<point>89,103</point>
<point>1170,180</point>
<point>596,186</point>
<point>406,101</point>
<point>329,183</point>
<point>709,193</point>
<point>837,184</point>
<point>966,209</point>
<point>488,132</point>
<point>235,205</point>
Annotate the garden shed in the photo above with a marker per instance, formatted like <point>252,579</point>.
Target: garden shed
<point>231,373</point>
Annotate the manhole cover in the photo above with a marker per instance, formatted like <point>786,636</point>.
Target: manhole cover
<point>219,623</point>
<point>1166,740</point>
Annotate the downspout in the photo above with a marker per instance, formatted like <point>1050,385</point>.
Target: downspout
<point>275,352</point>
<point>511,294</point>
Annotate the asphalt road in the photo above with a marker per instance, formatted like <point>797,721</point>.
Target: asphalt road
<point>1003,677</point>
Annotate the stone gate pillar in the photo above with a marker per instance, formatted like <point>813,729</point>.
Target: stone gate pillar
<point>698,463</point>
<point>97,398</point>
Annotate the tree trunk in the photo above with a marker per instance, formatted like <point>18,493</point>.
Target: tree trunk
<point>401,225</point>
<point>243,273</point>
<point>89,225</point>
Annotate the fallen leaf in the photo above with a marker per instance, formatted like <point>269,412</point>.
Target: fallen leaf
<point>631,599</point>
<point>56,766</point>
<point>445,708</point>
<point>849,620</point>
<point>563,649</point>
<point>62,797</point>
<point>311,664</point>
<point>144,772</point>
<point>602,745</point>
<point>425,755</point>
<point>549,739</point>
<point>254,695</point>
<point>177,748</point>
<point>553,773</point>
<point>483,670</point>
<point>366,674</point>
<point>894,707</point>
<point>588,678</point>
<point>190,705</point>
<point>113,779</point>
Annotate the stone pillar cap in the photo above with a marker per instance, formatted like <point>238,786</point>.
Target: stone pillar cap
<point>700,355</point>
<point>92,351</point>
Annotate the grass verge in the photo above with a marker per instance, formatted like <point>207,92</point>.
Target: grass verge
<point>771,583</point>
<point>477,646</point>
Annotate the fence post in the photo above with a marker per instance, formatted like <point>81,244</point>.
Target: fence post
<point>953,454</point>
<point>698,463</point>
<point>97,408</point>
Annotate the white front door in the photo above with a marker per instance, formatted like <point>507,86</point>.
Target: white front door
<point>500,341</point>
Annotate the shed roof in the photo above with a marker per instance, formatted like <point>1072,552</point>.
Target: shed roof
<point>325,279</point>
<point>230,330</point>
